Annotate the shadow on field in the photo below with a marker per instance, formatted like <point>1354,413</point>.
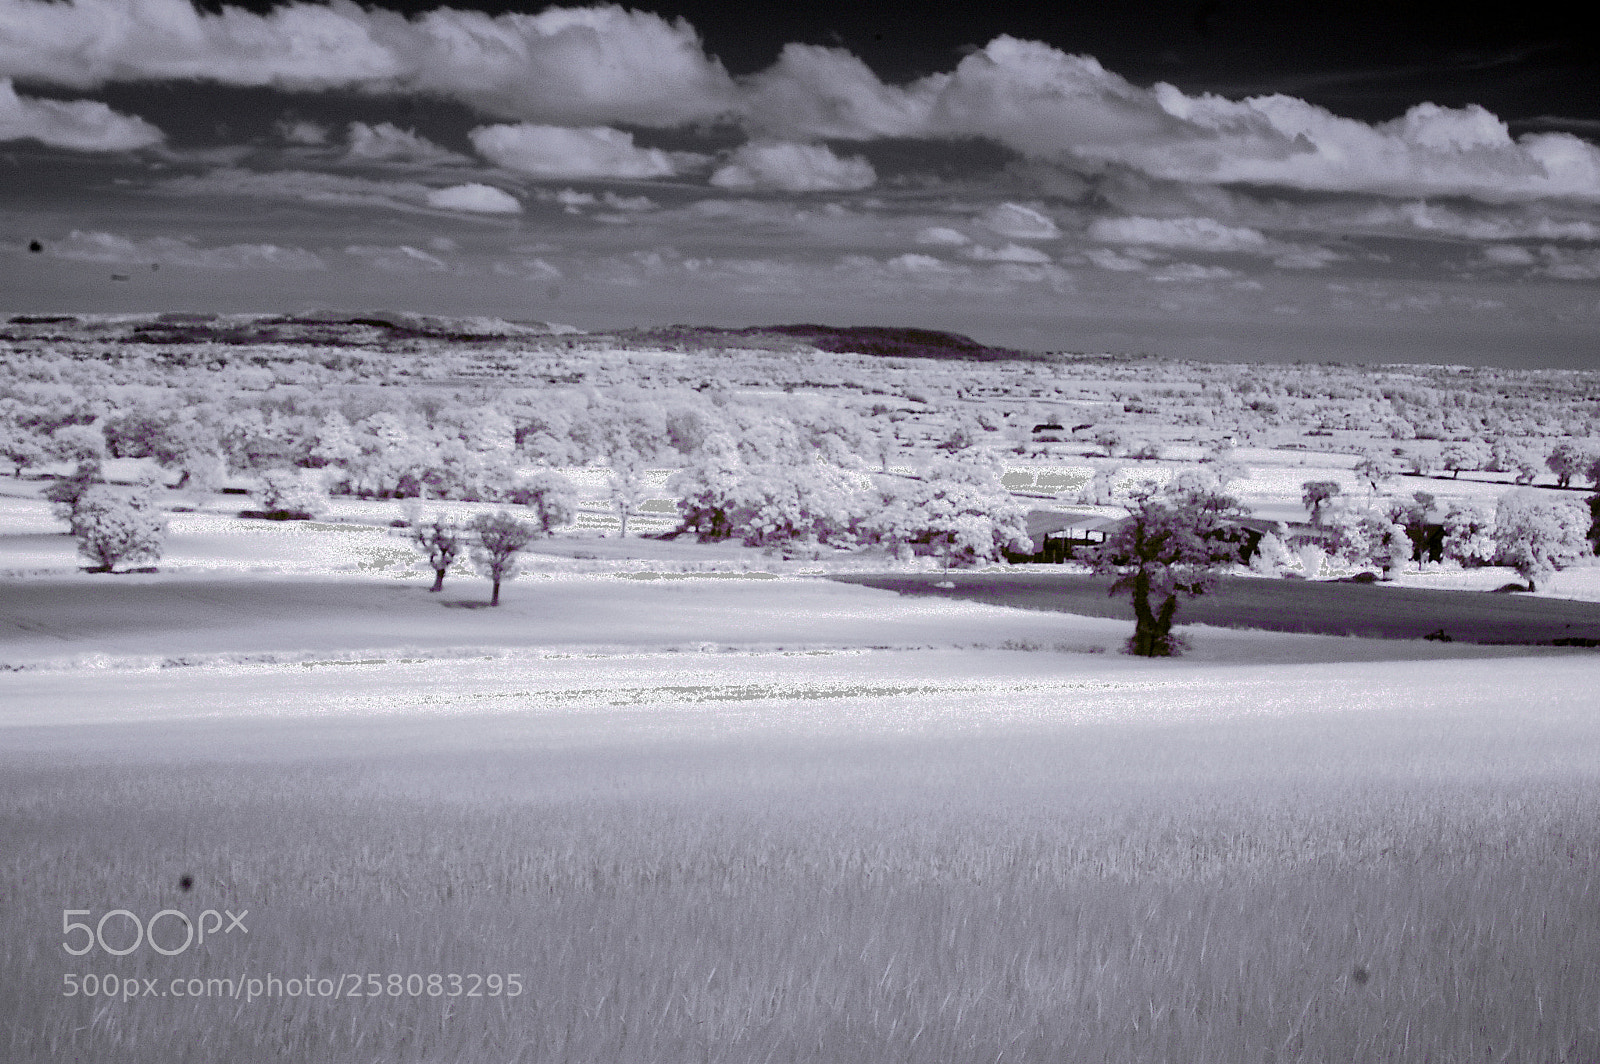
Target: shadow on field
<point>1372,611</point>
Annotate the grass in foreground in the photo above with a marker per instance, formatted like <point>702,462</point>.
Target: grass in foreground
<point>1380,889</point>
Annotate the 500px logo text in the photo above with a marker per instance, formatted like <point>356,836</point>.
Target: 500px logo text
<point>119,932</point>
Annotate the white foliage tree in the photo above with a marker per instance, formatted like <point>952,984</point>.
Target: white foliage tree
<point>1469,534</point>
<point>112,529</point>
<point>1537,535</point>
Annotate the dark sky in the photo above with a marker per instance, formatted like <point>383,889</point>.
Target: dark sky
<point>1364,181</point>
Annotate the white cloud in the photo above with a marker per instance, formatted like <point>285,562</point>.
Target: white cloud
<point>911,262</point>
<point>1198,234</point>
<point>941,236</point>
<point>303,131</point>
<point>814,92</point>
<point>789,167</point>
<point>401,259</point>
<point>81,125</point>
<point>1569,265</point>
<point>474,198</point>
<point>1016,222</point>
<point>386,142</point>
<point>1484,224</point>
<point>166,251</point>
<point>1008,253</point>
<point>590,153</point>
<point>1049,105</point>
<point>582,66</point>
<point>1191,271</point>
<point>1508,255</point>
<point>303,186</point>
<point>1107,259</point>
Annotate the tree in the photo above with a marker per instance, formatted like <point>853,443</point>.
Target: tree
<point>442,540</point>
<point>64,494</point>
<point>497,540</point>
<point>1536,535</point>
<point>113,529</point>
<point>1591,471</point>
<point>290,494</point>
<point>1173,543</point>
<point>20,446</point>
<point>1469,534</point>
<point>551,496</point>
<point>1459,456</point>
<point>1315,494</point>
<point>627,489</point>
<point>1376,468</point>
<point>1566,462</point>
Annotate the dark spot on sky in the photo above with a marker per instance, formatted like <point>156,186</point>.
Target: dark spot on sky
<point>35,247</point>
<point>1360,976</point>
<point>186,882</point>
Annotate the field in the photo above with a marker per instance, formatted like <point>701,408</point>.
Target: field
<point>681,802</point>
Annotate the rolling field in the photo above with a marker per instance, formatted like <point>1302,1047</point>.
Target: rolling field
<point>791,820</point>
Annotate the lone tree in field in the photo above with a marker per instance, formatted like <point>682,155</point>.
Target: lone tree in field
<point>1566,462</point>
<point>113,529</point>
<point>1315,494</point>
<point>442,540</point>
<point>499,538</point>
<point>1172,544</point>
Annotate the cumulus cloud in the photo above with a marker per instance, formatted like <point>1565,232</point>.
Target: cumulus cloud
<point>1198,234</point>
<point>401,259</point>
<point>1016,222</point>
<point>1487,224</point>
<point>303,186</point>
<point>592,152</point>
<point>1009,253</point>
<point>789,167</point>
<point>81,125</point>
<point>1107,259</point>
<point>475,199</point>
<point>386,142</point>
<point>302,131</point>
<point>96,246</point>
<point>579,65</point>
<point>1046,104</point>
<point>942,236</point>
<point>815,92</point>
<point>1508,255</point>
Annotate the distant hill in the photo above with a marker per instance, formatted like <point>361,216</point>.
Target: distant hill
<point>322,327</point>
<point>872,340</point>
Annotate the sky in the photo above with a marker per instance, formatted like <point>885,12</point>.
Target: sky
<point>1218,180</point>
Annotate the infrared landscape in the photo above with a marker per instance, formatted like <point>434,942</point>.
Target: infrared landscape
<point>807,534</point>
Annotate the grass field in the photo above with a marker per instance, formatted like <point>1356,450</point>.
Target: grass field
<point>990,855</point>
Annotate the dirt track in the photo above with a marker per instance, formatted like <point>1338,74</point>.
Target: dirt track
<point>1321,608</point>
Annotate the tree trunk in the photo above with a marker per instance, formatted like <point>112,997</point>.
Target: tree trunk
<point>438,580</point>
<point>623,516</point>
<point>1152,630</point>
<point>494,599</point>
